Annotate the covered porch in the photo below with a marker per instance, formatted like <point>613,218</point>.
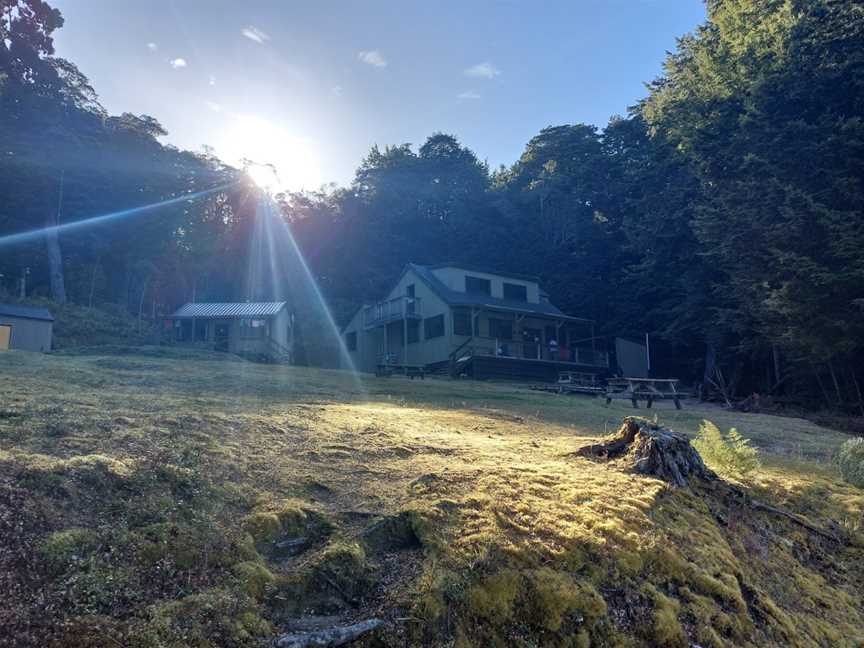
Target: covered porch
<point>495,342</point>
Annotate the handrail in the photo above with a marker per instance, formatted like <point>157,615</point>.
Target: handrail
<point>392,309</point>
<point>281,348</point>
<point>454,354</point>
<point>531,351</point>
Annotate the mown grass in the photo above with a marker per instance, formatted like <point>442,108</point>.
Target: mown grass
<point>164,498</point>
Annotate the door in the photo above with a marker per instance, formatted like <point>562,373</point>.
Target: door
<point>409,303</point>
<point>531,343</point>
<point>220,335</point>
<point>5,336</point>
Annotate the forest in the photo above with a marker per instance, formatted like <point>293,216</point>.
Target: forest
<point>722,215</point>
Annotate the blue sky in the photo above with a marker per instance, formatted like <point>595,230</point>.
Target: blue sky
<point>312,85</point>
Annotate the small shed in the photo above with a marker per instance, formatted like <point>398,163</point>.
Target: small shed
<point>258,330</point>
<point>25,328</point>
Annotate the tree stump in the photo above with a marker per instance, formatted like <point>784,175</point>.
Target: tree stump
<point>649,449</point>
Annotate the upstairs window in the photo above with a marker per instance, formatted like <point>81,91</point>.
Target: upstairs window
<point>433,327</point>
<point>515,292</point>
<point>351,341</point>
<point>477,286</point>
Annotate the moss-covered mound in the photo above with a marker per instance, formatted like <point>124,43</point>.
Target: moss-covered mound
<point>155,502</point>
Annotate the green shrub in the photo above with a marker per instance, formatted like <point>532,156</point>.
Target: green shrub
<point>850,460</point>
<point>731,453</point>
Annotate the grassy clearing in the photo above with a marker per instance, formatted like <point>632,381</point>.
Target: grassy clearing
<point>153,498</point>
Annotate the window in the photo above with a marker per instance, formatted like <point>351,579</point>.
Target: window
<point>253,328</point>
<point>410,303</point>
<point>461,323</point>
<point>351,341</point>
<point>433,327</point>
<point>413,331</point>
<point>515,292</point>
<point>501,329</point>
<point>476,285</point>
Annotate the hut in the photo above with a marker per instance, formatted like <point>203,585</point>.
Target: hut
<point>258,330</point>
<point>25,328</point>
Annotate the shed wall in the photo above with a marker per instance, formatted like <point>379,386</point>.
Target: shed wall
<point>29,334</point>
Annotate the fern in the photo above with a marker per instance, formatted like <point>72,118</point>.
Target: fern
<point>729,454</point>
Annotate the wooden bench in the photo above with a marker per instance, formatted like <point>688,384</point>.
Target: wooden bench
<point>386,370</point>
<point>647,389</point>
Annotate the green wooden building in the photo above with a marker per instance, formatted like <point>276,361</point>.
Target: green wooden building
<point>470,321</point>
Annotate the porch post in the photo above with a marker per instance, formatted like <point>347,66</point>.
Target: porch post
<point>558,326</point>
<point>405,336</point>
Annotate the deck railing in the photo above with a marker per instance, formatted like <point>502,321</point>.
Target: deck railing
<point>533,351</point>
<point>392,310</point>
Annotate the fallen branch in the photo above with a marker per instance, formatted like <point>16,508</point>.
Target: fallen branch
<point>327,638</point>
<point>746,500</point>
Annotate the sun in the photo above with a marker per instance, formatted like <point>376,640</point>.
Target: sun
<point>274,158</point>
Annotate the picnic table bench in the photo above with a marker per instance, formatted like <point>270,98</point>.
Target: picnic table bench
<point>647,389</point>
<point>385,369</point>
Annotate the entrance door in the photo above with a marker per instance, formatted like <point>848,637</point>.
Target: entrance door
<point>221,333</point>
<point>5,336</point>
<point>531,343</point>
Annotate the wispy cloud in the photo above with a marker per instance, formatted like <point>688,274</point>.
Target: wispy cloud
<point>483,70</point>
<point>177,63</point>
<point>373,58</point>
<point>336,91</point>
<point>212,105</point>
<point>152,47</point>
<point>468,94</point>
<point>212,80</point>
<point>255,34</point>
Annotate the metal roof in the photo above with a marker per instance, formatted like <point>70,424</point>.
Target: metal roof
<point>455,298</point>
<point>228,309</point>
<point>473,268</point>
<point>26,312</point>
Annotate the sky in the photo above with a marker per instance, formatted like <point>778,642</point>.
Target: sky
<point>311,86</point>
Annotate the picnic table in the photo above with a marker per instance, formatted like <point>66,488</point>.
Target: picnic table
<point>386,369</point>
<point>647,389</point>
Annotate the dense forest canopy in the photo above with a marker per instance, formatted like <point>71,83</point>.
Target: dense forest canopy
<point>722,215</point>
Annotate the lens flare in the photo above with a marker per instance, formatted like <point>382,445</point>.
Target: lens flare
<point>278,272</point>
<point>23,237</point>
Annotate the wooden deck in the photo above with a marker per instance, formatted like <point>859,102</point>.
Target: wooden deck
<point>489,367</point>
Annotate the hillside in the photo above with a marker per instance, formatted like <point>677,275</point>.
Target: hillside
<point>163,499</point>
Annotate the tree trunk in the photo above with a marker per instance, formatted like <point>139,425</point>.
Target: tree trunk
<point>141,301</point>
<point>92,284</point>
<point>710,369</point>
<point>775,355</point>
<point>55,254</point>
<point>649,449</point>
<point>836,384</point>
<point>857,391</point>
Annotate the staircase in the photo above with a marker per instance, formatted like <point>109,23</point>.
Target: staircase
<point>461,358</point>
<point>279,353</point>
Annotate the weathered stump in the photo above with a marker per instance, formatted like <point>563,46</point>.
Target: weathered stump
<point>649,449</point>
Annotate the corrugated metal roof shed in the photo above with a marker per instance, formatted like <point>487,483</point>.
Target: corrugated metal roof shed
<point>228,310</point>
<point>26,312</point>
